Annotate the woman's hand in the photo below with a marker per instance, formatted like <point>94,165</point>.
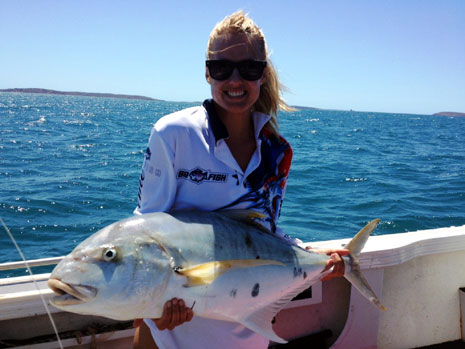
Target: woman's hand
<point>175,313</point>
<point>335,261</point>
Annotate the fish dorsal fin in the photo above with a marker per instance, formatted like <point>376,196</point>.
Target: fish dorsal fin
<point>260,321</point>
<point>206,273</point>
<point>243,215</point>
<point>247,216</point>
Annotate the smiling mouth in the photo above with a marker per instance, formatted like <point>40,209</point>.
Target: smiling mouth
<point>67,294</point>
<point>236,94</point>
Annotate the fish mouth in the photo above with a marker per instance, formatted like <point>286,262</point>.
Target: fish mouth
<point>68,294</point>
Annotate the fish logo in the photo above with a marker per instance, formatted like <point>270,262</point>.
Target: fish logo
<point>199,175</point>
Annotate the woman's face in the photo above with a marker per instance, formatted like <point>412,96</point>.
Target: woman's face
<point>234,95</point>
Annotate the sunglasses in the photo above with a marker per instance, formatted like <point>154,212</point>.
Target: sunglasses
<point>222,69</point>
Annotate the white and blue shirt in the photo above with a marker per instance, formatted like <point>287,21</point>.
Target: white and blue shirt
<point>188,165</point>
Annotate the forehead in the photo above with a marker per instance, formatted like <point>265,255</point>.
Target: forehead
<point>234,47</point>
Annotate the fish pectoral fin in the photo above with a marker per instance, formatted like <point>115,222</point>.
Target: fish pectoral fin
<point>206,273</point>
<point>261,321</point>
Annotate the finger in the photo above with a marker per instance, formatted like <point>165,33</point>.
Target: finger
<point>182,312</point>
<point>174,315</point>
<point>336,262</point>
<point>342,252</point>
<point>163,322</point>
<point>190,314</point>
<point>329,264</point>
<point>339,264</point>
<point>340,268</point>
<point>335,257</point>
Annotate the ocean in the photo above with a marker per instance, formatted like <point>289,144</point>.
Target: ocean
<point>70,165</point>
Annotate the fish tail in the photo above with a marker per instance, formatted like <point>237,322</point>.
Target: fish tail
<point>352,262</point>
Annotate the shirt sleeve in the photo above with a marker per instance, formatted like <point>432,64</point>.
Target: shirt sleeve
<point>157,183</point>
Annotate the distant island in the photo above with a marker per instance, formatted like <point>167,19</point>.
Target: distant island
<point>298,107</point>
<point>112,95</point>
<point>85,94</point>
<point>450,113</point>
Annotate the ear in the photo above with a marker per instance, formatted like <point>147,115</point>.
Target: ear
<point>207,75</point>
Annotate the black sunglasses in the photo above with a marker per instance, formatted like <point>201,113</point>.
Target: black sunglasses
<point>222,69</point>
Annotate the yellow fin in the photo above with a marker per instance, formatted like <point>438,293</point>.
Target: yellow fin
<point>243,214</point>
<point>249,217</point>
<point>206,273</point>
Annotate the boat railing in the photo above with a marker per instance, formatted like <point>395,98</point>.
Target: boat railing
<point>31,263</point>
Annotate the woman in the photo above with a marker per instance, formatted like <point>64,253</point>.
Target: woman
<point>224,154</point>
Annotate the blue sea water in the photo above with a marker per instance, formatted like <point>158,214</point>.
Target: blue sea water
<point>70,165</point>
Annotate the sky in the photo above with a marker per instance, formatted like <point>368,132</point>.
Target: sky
<point>398,56</point>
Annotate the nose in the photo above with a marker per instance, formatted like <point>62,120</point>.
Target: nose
<point>79,255</point>
<point>235,76</point>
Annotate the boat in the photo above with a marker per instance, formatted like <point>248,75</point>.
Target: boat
<point>419,276</point>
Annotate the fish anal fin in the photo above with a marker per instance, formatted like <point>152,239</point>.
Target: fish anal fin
<point>260,321</point>
<point>206,273</point>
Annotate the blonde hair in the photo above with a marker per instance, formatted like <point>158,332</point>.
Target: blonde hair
<point>270,99</point>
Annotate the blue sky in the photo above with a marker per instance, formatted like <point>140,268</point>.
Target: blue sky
<point>405,56</point>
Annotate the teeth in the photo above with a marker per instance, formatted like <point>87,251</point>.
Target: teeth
<point>235,94</point>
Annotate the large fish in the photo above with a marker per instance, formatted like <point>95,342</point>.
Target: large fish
<point>223,267</point>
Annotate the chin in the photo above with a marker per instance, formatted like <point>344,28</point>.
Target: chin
<point>235,107</point>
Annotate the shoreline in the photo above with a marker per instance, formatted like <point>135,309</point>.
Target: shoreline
<point>75,93</point>
<point>138,97</point>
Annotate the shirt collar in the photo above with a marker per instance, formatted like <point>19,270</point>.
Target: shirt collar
<point>218,128</point>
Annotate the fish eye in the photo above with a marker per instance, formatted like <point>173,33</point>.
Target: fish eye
<point>109,254</point>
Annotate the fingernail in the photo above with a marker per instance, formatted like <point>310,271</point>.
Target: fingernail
<point>175,301</point>
<point>181,303</point>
